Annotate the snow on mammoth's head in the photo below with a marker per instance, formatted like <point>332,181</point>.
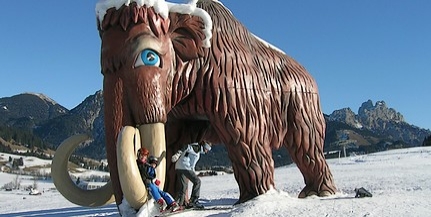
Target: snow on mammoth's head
<point>161,7</point>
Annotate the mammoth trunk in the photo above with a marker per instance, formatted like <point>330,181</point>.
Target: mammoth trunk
<point>130,139</point>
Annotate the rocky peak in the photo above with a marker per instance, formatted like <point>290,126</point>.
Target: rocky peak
<point>374,116</point>
<point>380,119</point>
<point>345,115</point>
<point>89,109</point>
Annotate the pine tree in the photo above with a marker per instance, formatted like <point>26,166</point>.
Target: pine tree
<point>427,141</point>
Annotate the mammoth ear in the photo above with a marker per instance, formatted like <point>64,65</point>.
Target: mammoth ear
<point>187,36</point>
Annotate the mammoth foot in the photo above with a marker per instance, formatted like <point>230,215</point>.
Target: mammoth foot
<point>245,197</point>
<point>309,191</point>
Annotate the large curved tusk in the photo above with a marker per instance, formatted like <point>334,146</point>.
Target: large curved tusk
<point>65,185</point>
<point>153,138</point>
<point>132,186</point>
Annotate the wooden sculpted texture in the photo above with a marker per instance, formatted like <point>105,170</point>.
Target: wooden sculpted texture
<point>240,92</point>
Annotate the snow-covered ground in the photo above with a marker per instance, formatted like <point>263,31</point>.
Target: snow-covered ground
<point>400,181</point>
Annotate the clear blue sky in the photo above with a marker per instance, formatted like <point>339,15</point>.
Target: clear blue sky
<point>356,50</point>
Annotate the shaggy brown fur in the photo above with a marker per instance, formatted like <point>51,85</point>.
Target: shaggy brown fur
<point>239,92</point>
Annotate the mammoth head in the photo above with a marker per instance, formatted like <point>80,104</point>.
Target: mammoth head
<point>145,44</point>
<point>142,51</point>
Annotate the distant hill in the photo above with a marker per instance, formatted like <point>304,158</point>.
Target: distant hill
<point>376,127</point>
<point>381,121</point>
<point>28,110</point>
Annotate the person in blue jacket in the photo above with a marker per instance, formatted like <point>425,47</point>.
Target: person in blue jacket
<point>147,169</point>
<point>185,161</point>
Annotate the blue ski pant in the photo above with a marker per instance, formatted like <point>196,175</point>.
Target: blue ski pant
<point>157,193</point>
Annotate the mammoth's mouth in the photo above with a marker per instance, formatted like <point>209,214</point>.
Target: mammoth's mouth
<point>130,140</point>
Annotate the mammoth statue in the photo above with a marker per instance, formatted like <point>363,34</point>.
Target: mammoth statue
<point>181,73</point>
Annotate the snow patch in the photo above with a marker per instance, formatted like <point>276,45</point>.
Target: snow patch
<point>43,97</point>
<point>398,180</point>
<point>268,45</point>
<point>161,7</point>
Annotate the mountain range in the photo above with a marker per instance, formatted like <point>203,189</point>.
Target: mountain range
<point>374,128</point>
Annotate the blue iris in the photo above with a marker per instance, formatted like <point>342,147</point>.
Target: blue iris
<point>148,57</point>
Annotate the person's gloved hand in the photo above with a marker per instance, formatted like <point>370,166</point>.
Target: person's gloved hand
<point>176,156</point>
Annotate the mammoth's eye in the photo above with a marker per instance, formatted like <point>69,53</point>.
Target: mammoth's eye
<point>148,57</point>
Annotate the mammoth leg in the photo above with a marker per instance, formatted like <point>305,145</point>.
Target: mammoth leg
<point>253,169</point>
<point>305,138</point>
